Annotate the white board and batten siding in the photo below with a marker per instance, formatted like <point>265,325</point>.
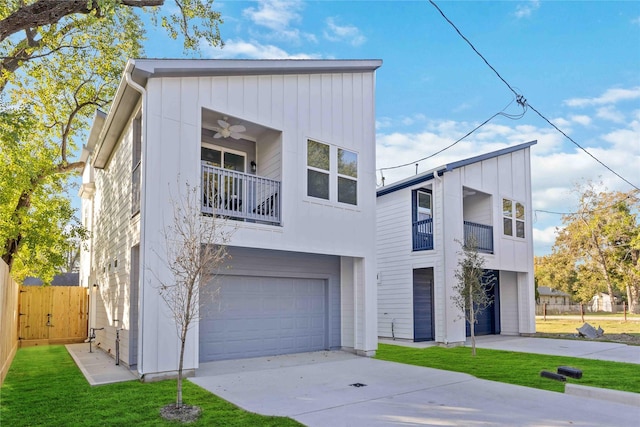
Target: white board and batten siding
<point>113,233</point>
<point>334,108</point>
<point>503,175</point>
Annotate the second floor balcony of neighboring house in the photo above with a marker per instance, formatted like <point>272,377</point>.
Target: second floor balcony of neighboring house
<point>476,209</point>
<point>423,235</point>
<point>240,196</point>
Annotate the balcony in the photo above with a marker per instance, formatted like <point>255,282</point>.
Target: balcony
<point>482,233</point>
<point>240,196</point>
<point>423,235</point>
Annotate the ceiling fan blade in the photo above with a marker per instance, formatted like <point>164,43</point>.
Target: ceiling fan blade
<point>237,128</point>
<point>235,135</point>
<point>223,124</point>
<point>217,135</point>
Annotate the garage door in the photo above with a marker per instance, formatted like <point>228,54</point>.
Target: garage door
<point>261,316</point>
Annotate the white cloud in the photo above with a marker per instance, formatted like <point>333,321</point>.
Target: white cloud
<point>255,50</point>
<point>581,119</point>
<point>526,10</point>
<point>611,96</point>
<point>277,15</point>
<point>610,113</point>
<point>343,33</point>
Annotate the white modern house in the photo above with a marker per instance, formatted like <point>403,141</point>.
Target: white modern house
<point>283,148</point>
<point>421,221</point>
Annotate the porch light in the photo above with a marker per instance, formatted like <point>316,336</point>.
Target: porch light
<point>254,167</point>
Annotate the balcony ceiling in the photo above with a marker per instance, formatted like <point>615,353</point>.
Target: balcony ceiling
<point>254,131</point>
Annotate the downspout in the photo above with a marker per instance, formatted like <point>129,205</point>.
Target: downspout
<point>438,178</point>
<point>127,75</point>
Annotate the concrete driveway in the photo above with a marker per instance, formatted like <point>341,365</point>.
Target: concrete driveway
<point>320,389</point>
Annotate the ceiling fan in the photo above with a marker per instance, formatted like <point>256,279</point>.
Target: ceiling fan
<point>227,130</point>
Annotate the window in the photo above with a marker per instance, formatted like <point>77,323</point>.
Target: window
<point>318,164</point>
<point>136,161</point>
<point>222,189</point>
<point>423,205</point>
<point>321,178</point>
<point>347,177</point>
<point>513,218</point>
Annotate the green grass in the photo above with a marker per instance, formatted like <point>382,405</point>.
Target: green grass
<point>44,387</point>
<point>516,368</point>
<point>569,326</point>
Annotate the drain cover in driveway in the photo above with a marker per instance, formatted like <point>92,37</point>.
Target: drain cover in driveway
<point>358,385</point>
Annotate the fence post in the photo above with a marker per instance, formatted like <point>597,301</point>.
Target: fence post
<point>544,310</point>
<point>582,312</point>
<point>624,309</point>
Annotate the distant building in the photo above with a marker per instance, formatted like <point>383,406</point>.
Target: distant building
<point>601,302</point>
<point>547,295</point>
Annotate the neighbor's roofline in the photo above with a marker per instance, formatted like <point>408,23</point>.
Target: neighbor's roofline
<point>429,175</point>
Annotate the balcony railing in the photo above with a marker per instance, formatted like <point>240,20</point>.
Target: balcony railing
<point>240,196</point>
<point>423,235</point>
<point>483,234</point>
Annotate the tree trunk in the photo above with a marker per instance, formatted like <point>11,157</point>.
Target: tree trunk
<point>472,324</point>
<point>605,270</point>
<point>183,339</point>
<point>12,244</point>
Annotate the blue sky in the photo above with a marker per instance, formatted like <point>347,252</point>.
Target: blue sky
<point>576,62</point>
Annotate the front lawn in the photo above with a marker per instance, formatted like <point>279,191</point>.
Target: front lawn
<point>44,387</point>
<point>516,368</point>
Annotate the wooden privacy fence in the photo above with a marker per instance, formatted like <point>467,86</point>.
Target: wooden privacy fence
<point>8,319</point>
<point>53,314</point>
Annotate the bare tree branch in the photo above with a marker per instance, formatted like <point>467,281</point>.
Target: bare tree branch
<point>46,12</point>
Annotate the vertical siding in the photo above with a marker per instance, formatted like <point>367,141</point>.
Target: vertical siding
<point>509,303</point>
<point>113,235</point>
<point>503,176</point>
<point>296,107</point>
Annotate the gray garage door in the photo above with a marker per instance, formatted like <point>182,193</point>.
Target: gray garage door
<point>261,316</point>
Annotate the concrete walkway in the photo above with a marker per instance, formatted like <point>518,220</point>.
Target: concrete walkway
<point>98,367</point>
<point>340,389</point>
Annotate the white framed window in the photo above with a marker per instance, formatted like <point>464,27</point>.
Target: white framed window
<point>318,169</point>
<point>423,205</point>
<point>332,173</point>
<point>513,218</point>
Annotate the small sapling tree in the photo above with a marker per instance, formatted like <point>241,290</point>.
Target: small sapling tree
<point>471,294</point>
<point>195,251</point>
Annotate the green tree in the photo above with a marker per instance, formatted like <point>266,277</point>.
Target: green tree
<point>60,60</point>
<point>471,292</point>
<point>598,249</point>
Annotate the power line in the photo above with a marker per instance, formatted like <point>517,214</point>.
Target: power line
<point>499,113</point>
<point>521,100</point>
<point>582,148</point>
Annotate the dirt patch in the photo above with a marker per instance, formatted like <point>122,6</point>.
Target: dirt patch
<point>184,414</point>
<point>631,339</point>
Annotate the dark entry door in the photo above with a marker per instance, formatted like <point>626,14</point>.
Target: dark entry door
<point>423,304</point>
<point>488,322</point>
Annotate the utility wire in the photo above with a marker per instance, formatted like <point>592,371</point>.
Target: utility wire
<point>522,101</point>
<point>445,148</point>
<point>500,113</point>
<point>582,148</point>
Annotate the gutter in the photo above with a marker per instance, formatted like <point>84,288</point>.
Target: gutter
<point>135,86</point>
